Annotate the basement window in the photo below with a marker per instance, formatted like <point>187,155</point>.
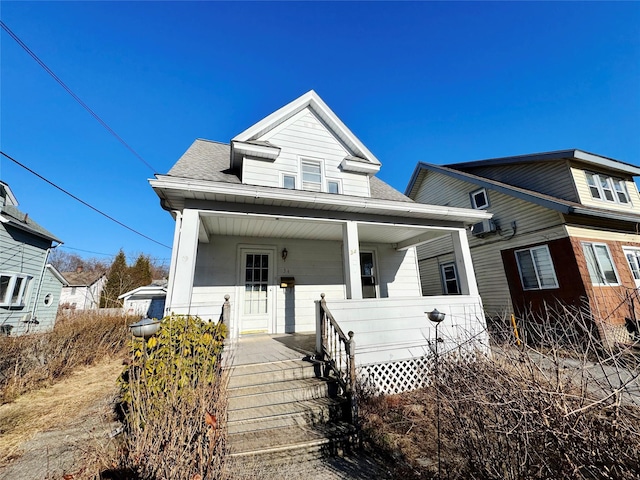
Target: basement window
<point>13,289</point>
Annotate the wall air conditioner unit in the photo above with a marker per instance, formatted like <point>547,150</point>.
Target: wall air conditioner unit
<point>483,228</point>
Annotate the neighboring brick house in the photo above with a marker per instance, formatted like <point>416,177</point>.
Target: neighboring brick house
<point>83,290</point>
<point>565,230</point>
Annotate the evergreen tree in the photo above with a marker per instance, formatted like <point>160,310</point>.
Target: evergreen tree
<point>118,282</point>
<point>141,272</point>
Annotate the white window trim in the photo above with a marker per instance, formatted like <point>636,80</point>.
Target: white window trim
<point>535,268</point>
<point>444,278</point>
<point>611,182</point>
<point>317,161</point>
<point>295,180</point>
<point>635,251</point>
<point>613,264</point>
<point>473,199</point>
<point>22,294</point>
<point>336,180</point>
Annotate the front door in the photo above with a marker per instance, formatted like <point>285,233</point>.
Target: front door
<point>368,275</point>
<point>633,257</point>
<point>256,307</point>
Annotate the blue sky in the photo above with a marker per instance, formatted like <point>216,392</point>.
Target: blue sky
<point>440,82</point>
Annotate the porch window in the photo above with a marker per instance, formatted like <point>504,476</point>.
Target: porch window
<point>603,187</point>
<point>479,199</point>
<point>13,289</point>
<point>536,268</point>
<point>599,263</point>
<point>450,281</point>
<point>311,176</point>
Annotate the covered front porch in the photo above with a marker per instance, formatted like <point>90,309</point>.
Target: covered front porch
<point>274,266</point>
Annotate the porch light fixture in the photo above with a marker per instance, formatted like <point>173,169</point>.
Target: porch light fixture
<point>284,254</point>
<point>435,316</point>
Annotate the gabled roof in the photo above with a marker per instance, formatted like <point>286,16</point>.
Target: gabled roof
<point>547,201</point>
<point>313,101</point>
<point>573,154</point>
<point>54,271</point>
<point>7,194</point>
<point>208,160</point>
<point>10,215</point>
<point>82,279</point>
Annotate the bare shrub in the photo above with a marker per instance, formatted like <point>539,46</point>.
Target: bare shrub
<point>174,401</point>
<point>560,407</point>
<point>37,360</point>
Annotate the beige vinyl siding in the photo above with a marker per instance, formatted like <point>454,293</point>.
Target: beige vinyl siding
<point>603,235</point>
<point>26,254</point>
<point>550,178</point>
<point>304,136</point>
<point>580,178</point>
<point>534,225</point>
<point>432,255</point>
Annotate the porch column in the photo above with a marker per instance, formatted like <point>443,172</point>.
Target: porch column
<point>464,264</point>
<point>185,250</point>
<point>351,258</point>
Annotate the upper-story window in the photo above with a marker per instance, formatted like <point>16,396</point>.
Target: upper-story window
<point>603,187</point>
<point>289,181</point>
<point>333,186</point>
<point>311,175</point>
<point>479,199</point>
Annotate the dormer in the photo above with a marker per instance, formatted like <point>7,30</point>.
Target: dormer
<point>304,146</point>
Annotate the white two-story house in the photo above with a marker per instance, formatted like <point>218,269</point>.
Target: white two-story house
<point>291,209</point>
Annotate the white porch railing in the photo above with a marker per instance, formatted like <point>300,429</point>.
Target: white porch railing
<point>396,339</point>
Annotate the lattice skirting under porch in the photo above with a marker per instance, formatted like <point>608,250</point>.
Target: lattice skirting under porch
<point>389,378</point>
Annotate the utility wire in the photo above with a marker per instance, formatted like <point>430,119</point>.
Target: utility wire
<point>77,99</point>
<point>81,201</point>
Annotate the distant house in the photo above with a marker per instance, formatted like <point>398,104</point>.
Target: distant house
<point>291,210</point>
<point>147,301</point>
<point>565,229</point>
<point>83,290</point>
<point>29,286</point>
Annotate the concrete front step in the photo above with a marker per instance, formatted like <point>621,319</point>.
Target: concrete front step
<point>299,441</point>
<point>261,373</point>
<point>308,412</point>
<point>280,392</point>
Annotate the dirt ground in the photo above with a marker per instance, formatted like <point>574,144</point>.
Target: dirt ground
<point>60,430</point>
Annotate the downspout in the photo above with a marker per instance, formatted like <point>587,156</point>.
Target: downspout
<point>34,317</point>
<point>174,262</point>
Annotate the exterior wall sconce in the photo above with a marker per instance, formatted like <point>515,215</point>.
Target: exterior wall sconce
<point>284,254</point>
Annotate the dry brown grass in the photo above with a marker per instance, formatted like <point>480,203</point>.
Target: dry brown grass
<point>545,411</point>
<point>34,361</point>
<point>56,407</point>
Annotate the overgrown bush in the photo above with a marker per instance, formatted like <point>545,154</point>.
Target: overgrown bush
<point>563,410</point>
<point>174,402</point>
<point>33,361</point>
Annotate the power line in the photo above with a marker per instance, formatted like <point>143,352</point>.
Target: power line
<point>76,98</point>
<point>82,201</point>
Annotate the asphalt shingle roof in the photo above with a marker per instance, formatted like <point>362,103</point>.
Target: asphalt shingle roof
<point>209,160</point>
<point>23,221</point>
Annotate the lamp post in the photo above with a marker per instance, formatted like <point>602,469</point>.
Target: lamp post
<point>436,317</point>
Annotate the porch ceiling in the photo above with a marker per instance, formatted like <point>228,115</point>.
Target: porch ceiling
<point>310,229</point>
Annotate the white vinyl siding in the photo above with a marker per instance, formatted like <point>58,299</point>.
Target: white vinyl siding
<point>304,136</point>
<point>600,264</point>
<point>536,268</point>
